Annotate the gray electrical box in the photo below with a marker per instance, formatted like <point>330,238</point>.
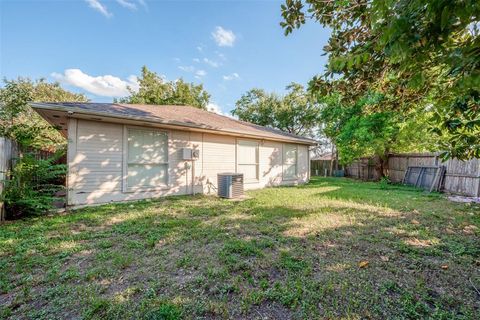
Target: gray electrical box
<point>189,154</point>
<point>230,185</point>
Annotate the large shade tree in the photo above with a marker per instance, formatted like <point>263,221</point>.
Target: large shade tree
<point>19,122</point>
<point>422,54</point>
<point>153,89</point>
<point>357,130</point>
<point>296,112</point>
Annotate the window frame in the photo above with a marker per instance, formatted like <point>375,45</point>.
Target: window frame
<point>125,187</point>
<point>257,160</point>
<point>294,177</point>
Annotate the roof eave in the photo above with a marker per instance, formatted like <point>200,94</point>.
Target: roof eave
<point>71,111</point>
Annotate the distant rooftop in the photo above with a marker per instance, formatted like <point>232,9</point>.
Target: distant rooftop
<point>180,116</point>
<point>326,156</point>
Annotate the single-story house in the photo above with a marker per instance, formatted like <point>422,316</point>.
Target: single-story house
<point>119,152</point>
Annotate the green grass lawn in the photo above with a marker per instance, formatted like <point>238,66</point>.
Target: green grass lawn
<point>293,252</point>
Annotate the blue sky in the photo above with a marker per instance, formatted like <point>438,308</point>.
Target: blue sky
<point>98,46</point>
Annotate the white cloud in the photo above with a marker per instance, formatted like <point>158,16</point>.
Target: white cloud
<point>187,68</point>
<point>106,85</point>
<point>196,60</point>
<point>127,4</point>
<point>143,4</point>
<point>211,63</point>
<point>98,6</point>
<point>232,76</point>
<point>191,69</point>
<point>223,37</point>
<point>221,55</point>
<point>213,107</point>
<point>200,48</point>
<point>200,73</point>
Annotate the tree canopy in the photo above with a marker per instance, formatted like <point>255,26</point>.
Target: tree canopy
<point>156,90</point>
<point>418,54</point>
<point>357,130</point>
<point>19,122</point>
<point>296,112</point>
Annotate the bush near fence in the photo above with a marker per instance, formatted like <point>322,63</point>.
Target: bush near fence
<point>10,151</point>
<point>461,177</point>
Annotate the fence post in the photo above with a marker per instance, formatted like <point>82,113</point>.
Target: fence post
<point>478,175</point>
<point>6,147</point>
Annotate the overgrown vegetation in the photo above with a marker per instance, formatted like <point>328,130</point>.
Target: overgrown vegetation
<point>334,248</point>
<point>420,56</point>
<point>33,184</point>
<point>358,130</point>
<point>34,181</point>
<point>20,123</point>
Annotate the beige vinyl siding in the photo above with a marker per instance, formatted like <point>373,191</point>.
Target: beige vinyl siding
<point>303,164</point>
<point>96,163</point>
<point>270,164</point>
<point>218,155</point>
<point>290,161</point>
<point>247,160</point>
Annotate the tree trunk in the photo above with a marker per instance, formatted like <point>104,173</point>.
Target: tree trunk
<point>336,159</point>
<point>332,160</point>
<point>381,165</point>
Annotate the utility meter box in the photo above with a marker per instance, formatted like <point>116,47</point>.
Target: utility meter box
<point>189,154</point>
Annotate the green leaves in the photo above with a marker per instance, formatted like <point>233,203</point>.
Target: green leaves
<point>33,185</point>
<point>297,112</point>
<point>20,123</point>
<point>413,52</point>
<point>363,129</point>
<point>293,15</point>
<point>156,90</point>
<point>445,18</point>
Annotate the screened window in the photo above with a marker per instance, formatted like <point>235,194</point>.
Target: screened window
<point>247,159</point>
<point>289,161</point>
<point>147,158</point>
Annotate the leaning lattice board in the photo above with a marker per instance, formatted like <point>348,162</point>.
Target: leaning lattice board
<point>427,177</point>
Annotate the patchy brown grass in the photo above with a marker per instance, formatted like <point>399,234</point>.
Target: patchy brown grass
<point>285,253</point>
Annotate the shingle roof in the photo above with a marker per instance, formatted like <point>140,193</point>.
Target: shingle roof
<point>325,156</point>
<point>184,116</point>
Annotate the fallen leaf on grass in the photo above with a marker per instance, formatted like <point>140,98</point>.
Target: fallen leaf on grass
<point>384,258</point>
<point>470,229</point>
<point>415,221</point>
<point>363,264</point>
<point>449,231</point>
<point>444,267</point>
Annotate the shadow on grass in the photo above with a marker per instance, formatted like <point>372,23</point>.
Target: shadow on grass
<point>205,257</point>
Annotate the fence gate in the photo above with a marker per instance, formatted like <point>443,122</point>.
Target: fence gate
<point>426,177</point>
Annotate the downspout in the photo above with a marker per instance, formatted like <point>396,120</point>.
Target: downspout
<point>308,165</point>
<point>193,177</point>
<point>186,177</point>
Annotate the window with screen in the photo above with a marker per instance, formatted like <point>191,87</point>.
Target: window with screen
<point>289,161</point>
<point>247,159</point>
<point>147,159</point>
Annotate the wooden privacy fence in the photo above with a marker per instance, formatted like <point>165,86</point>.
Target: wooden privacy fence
<point>363,168</point>
<point>461,177</point>
<point>8,151</point>
<point>322,167</point>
